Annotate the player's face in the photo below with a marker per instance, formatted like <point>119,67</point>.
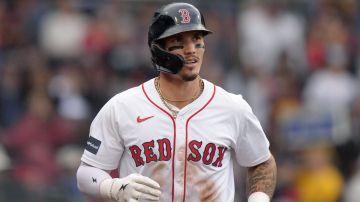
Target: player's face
<point>189,45</point>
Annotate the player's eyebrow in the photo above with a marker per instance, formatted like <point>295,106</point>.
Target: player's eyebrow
<point>176,38</point>
<point>198,35</point>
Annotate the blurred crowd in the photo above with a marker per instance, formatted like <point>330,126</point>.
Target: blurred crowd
<point>297,62</point>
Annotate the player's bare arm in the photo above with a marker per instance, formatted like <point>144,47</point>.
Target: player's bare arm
<point>262,178</point>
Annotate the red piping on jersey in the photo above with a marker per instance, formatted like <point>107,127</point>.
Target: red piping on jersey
<point>174,142</point>
<point>186,136</point>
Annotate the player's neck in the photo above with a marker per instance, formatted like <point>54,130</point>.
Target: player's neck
<point>178,92</point>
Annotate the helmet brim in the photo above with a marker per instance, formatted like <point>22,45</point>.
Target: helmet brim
<point>183,28</point>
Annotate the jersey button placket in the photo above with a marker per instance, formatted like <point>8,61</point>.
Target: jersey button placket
<point>180,153</point>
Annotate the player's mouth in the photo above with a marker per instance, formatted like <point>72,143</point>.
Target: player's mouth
<point>190,62</point>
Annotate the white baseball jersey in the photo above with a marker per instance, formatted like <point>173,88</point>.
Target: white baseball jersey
<point>190,156</point>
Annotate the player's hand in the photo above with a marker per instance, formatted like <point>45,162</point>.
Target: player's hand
<point>130,188</point>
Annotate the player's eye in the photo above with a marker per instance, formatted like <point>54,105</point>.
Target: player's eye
<point>172,48</point>
<point>198,39</point>
<point>175,43</point>
<point>199,45</point>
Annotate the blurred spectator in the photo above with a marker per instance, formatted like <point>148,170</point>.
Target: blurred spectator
<point>66,87</point>
<point>285,100</point>
<point>11,83</point>
<point>326,28</point>
<point>334,88</point>
<point>32,143</point>
<point>63,31</point>
<point>317,178</point>
<point>123,56</point>
<point>266,31</point>
<point>99,36</point>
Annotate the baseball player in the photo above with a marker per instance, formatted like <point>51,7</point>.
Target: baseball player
<point>174,137</point>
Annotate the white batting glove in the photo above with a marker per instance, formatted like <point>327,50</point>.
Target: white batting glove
<point>130,188</point>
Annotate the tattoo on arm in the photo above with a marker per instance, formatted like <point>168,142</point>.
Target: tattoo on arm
<point>262,178</point>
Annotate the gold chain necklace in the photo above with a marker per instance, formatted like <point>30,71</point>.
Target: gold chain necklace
<point>170,108</point>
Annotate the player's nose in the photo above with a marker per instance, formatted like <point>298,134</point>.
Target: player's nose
<point>189,48</point>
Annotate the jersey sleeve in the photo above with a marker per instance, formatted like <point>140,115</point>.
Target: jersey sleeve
<point>104,146</point>
<point>252,145</point>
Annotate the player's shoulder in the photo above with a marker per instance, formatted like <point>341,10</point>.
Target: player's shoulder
<point>230,101</point>
<point>129,96</point>
<point>229,97</point>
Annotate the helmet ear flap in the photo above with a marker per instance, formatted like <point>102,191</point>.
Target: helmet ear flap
<point>165,61</point>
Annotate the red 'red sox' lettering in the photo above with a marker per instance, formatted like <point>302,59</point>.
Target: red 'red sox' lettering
<point>135,153</point>
<point>209,153</point>
<point>194,147</point>
<point>148,151</point>
<point>207,156</point>
<point>218,162</point>
<point>164,149</point>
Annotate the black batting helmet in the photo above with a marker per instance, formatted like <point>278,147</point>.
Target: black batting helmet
<point>169,20</point>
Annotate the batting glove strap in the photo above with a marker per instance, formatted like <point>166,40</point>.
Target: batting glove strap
<point>132,187</point>
<point>259,197</point>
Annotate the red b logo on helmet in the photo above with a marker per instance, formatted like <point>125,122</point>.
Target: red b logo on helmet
<point>185,15</point>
